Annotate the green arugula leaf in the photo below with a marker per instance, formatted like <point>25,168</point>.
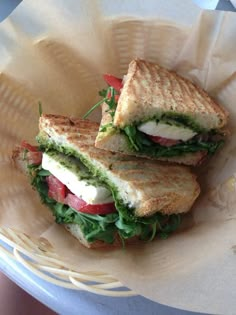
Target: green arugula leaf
<point>44,173</point>
<point>108,98</point>
<point>40,109</point>
<point>131,132</point>
<point>93,108</point>
<point>103,93</point>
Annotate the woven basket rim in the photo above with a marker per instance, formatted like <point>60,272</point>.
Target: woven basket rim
<point>39,258</point>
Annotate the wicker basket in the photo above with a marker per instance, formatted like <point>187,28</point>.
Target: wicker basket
<point>38,257</point>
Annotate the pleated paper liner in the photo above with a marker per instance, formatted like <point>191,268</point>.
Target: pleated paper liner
<point>57,55</point>
<point>39,258</point>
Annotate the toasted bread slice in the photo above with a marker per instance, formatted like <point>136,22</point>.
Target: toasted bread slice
<point>144,185</point>
<point>150,90</point>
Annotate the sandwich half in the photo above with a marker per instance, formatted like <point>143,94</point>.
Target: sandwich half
<point>158,114</point>
<point>103,197</point>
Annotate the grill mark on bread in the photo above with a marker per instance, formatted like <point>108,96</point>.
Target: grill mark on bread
<point>147,179</point>
<point>145,95</point>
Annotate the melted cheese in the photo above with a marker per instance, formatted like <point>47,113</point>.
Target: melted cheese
<point>163,130</point>
<point>81,188</point>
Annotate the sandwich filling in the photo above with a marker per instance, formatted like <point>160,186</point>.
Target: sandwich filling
<point>166,135</point>
<point>166,131</point>
<point>75,196</point>
<point>171,135</point>
<point>68,171</point>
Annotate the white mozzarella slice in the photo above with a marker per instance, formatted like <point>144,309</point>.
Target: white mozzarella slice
<point>82,189</point>
<point>163,130</point>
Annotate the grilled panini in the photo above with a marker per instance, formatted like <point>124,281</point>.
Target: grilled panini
<point>161,115</point>
<point>122,196</point>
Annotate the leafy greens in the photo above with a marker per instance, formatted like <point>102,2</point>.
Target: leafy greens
<point>105,227</point>
<point>138,141</point>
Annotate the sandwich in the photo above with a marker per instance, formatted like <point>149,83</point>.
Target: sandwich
<point>104,198</point>
<point>155,113</point>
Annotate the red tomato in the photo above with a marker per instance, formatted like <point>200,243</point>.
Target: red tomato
<point>116,96</point>
<point>29,147</point>
<point>34,157</point>
<point>116,83</point>
<point>56,190</point>
<point>163,141</point>
<point>74,202</point>
<point>81,206</point>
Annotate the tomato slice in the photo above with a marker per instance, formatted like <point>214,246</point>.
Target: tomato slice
<point>74,202</point>
<point>34,157</point>
<point>59,192</point>
<point>81,206</point>
<point>113,81</point>
<point>56,189</point>
<point>116,96</point>
<point>29,147</point>
<point>164,141</point>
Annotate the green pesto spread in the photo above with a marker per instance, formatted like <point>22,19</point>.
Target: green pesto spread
<point>100,227</point>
